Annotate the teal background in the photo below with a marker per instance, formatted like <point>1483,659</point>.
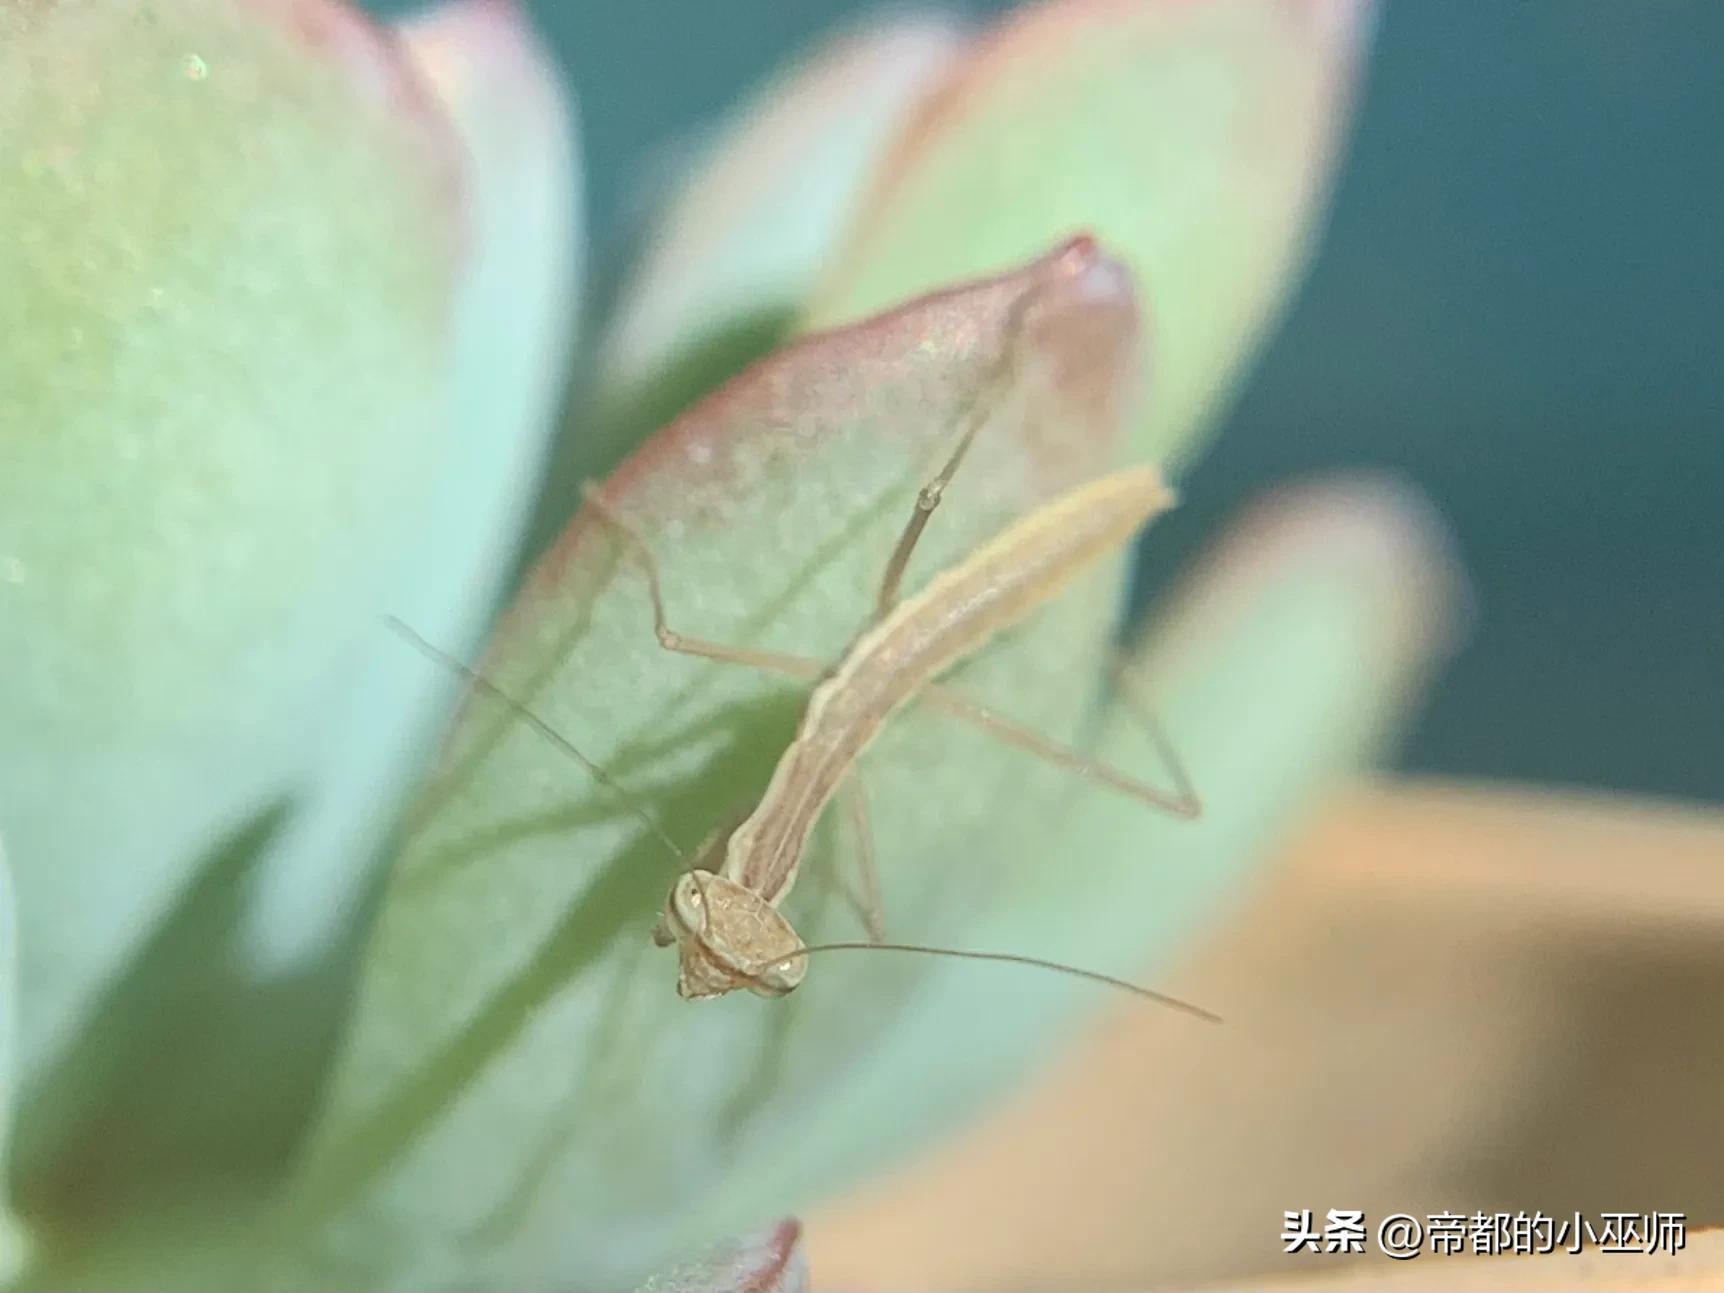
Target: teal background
<point>1518,304</point>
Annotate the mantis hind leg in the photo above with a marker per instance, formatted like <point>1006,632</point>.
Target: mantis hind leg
<point>1180,801</point>
<point>1127,688</point>
<point>476,681</point>
<point>790,666</point>
<point>975,415</point>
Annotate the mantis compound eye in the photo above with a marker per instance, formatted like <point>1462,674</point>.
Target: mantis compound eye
<point>685,914</point>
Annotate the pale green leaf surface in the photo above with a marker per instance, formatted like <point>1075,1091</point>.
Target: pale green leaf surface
<point>514,305</point>
<point>210,1049</point>
<point>229,244</point>
<point>1192,136</point>
<point>753,222</point>
<point>523,1098</point>
<point>525,1101</point>
<point>733,251</point>
<point>1291,653</point>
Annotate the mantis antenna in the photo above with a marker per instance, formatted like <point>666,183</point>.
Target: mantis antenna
<point>1012,958</point>
<point>479,682</point>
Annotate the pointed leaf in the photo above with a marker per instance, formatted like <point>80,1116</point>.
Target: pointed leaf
<point>203,1061</point>
<point>734,251</point>
<point>229,244</point>
<point>523,1098</point>
<point>1195,136</point>
<point>513,309</point>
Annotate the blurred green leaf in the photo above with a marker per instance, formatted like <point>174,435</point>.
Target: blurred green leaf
<point>1277,667</point>
<point>202,1061</point>
<point>732,253</point>
<point>199,1064</point>
<point>171,1078</point>
<point>1286,658</point>
<point>776,186</point>
<point>514,305</point>
<point>227,266</point>
<point>1193,136</point>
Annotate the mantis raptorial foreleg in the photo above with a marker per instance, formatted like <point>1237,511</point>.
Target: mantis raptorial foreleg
<point>1182,802</point>
<point>791,666</point>
<point>727,921</point>
<point>927,499</point>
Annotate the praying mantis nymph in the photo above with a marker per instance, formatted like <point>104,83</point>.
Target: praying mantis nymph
<point>726,923</point>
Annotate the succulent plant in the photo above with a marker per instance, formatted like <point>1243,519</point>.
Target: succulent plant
<point>286,322</point>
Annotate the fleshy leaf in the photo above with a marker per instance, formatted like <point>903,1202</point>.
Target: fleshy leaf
<point>203,1060</point>
<point>523,1099</point>
<point>734,251</point>
<point>230,235</point>
<point>769,1262</point>
<point>514,305</point>
<point>1194,136</point>
<point>1291,653</point>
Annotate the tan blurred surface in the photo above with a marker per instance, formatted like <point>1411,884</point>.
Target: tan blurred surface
<point>1445,999</point>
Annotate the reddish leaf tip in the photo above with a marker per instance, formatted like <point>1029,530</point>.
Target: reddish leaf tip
<point>1071,316</point>
<point>769,1262</point>
<point>775,1274</point>
<point>1079,249</point>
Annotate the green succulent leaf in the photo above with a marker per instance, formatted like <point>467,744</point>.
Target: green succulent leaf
<point>515,300</point>
<point>227,267</point>
<point>299,379</point>
<point>746,232</point>
<point>254,399</point>
<point>523,1097</point>
<point>1192,136</point>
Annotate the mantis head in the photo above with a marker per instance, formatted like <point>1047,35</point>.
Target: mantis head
<point>728,937</point>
